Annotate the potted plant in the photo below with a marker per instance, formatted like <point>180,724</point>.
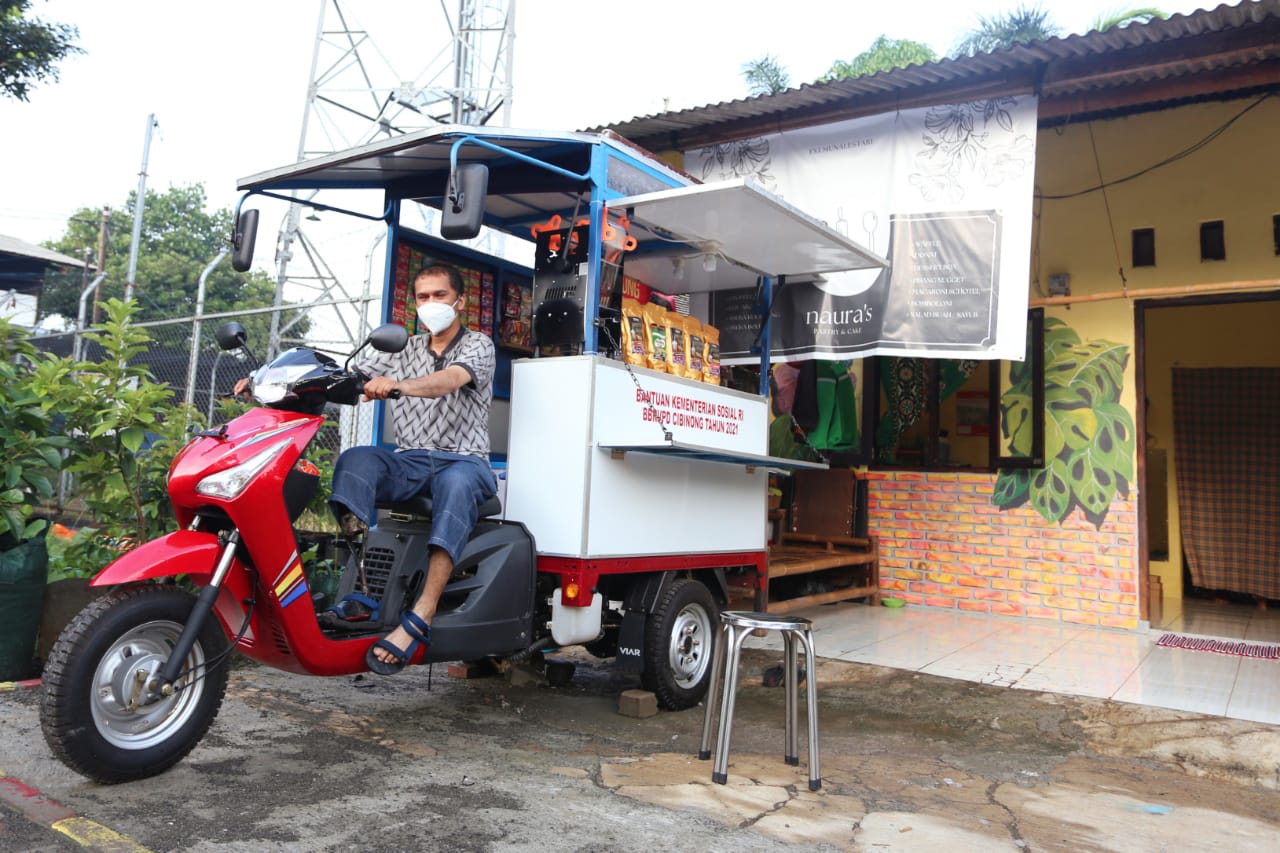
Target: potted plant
<point>31,458</point>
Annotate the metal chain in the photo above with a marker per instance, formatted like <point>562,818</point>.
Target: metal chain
<point>796,429</point>
<point>644,395</point>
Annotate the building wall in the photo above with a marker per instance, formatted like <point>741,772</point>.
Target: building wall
<point>1231,178</point>
<point>944,542</point>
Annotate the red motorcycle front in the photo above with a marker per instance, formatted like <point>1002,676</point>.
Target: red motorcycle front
<point>136,679</point>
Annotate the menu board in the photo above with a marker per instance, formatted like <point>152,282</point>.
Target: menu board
<point>477,287</point>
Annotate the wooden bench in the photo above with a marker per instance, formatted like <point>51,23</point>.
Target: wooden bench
<point>820,542</point>
<point>849,565</point>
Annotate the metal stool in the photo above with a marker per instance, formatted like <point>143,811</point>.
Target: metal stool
<point>736,625</point>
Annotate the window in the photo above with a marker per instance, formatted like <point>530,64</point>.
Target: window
<point>949,413</point>
<point>1017,404</point>
<point>820,408</point>
<point>1213,241</point>
<point>1144,247</point>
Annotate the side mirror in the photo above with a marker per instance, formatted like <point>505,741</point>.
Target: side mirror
<point>463,209</point>
<point>390,337</point>
<point>242,241</point>
<point>231,335</point>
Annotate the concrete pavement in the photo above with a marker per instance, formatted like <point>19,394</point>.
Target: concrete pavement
<point>909,762</point>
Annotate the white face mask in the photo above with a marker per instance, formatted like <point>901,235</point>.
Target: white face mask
<point>437,316</point>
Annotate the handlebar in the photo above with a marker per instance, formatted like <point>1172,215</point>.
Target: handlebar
<point>361,379</point>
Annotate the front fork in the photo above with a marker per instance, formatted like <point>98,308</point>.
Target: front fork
<point>168,674</point>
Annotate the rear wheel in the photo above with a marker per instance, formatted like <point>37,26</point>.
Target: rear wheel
<point>679,642</point>
<point>97,712</point>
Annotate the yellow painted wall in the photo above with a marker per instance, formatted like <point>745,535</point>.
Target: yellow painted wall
<point>1232,178</point>
<point>1237,335</point>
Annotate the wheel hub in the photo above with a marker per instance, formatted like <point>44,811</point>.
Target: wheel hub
<point>129,681</point>
<point>688,647</point>
<point>127,710</point>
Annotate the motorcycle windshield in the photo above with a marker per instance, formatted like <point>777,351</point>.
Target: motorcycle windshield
<point>276,381</point>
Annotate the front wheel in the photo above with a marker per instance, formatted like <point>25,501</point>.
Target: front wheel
<point>679,642</point>
<point>98,714</point>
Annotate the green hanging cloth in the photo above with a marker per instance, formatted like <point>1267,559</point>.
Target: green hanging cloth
<point>837,427</point>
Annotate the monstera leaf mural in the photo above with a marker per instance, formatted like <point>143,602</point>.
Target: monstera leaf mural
<point>1089,436</point>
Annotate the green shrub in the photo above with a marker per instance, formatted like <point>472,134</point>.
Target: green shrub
<point>123,429</point>
<point>31,457</point>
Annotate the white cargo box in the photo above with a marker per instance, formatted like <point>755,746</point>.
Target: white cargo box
<point>591,473</point>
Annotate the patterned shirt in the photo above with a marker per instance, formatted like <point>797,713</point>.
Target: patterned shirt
<point>457,422</point>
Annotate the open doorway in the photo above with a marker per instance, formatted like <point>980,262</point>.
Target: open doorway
<point>1197,518</point>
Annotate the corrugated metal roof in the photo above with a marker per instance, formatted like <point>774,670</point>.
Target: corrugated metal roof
<point>1136,55</point>
<point>23,249</point>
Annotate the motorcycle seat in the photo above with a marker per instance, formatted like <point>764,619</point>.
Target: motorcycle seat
<point>421,505</point>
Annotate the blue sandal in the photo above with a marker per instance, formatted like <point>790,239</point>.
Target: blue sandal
<point>420,633</point>
<point>351,612</point>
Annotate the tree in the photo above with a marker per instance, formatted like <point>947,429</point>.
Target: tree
<point>884,54</point>
<point>30,48</point>
<point>179,238</point>
<point>765,76</point>
<point>1125,17</point>
<point>1023,24</point>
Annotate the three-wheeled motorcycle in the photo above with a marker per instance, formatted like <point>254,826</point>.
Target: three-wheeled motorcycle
<point>634,496</point>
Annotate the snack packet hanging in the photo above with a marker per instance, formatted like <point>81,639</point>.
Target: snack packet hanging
<point>656,336</point>
<point>696,347</point>
<point>677,344</point>
<point>711,357</point>
<point>634,334</point>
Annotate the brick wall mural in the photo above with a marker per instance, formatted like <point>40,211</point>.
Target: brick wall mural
<point>1058,542</point>
<point>943,543</point>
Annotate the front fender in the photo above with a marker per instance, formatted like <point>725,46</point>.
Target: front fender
<point>184,552</point>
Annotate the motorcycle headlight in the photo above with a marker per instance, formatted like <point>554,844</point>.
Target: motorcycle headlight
<point>231,482</point>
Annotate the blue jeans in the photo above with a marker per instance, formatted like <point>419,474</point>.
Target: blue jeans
<point>457,484</point>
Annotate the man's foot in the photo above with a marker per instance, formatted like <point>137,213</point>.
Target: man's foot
<point>393,652</point>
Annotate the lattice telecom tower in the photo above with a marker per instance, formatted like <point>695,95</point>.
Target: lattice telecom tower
<point>356,96</point>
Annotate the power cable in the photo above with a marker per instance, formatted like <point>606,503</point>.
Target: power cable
<point>1186,152</point>
<point>1106,204</point>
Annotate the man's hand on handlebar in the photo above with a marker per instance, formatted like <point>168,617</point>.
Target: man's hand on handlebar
<point>242,388</point>
<point>381,388</point>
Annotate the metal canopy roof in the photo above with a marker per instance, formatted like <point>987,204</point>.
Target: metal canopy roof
<point>416,167</point>
<point>740,221</point>
<point>415,158</point>
<point>673,217</point>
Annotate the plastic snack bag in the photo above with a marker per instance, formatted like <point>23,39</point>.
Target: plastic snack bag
<point>696,347</point>
<point>635,336</point>
<point>656,336</point>
<point>677,344</point>
<point>711,358</point>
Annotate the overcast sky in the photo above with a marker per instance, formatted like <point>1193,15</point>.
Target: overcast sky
<point>227,80</point>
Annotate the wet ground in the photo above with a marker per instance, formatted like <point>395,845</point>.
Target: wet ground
<point>909,762</point>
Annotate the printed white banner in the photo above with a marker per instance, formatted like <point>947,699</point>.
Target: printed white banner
<point>943,192</point>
